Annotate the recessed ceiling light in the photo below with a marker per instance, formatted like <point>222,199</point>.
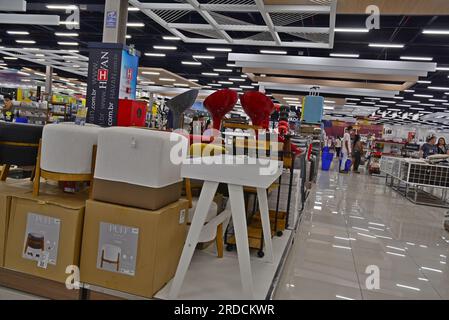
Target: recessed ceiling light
<point>438,88</point>
<point>165,47</point>
<point>191,63</point>
<point>26,41</point>
<point>135,24</point>
<point>17,32</point>
<point>223,70</point>
<point>272,52</point>
<point>423,95</point>
<point>203,57</point>
<point>66,34</point>
<point>237,79</point>
<point>61,7</point>
<point>133,9</point>
<point>210,74</point>
<point>171,38</point>
<point>435,31</point>
<point>416,58</point>
<point>151,73</point>
<point>386,45</point>
<point>344,55</point>
<point>357,30</point>
<point>151,54</point>
<point>69,23</point>
<point>219,49</point>
<point>62,43</point>
<point>167,79</point>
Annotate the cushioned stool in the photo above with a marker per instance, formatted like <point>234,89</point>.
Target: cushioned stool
<point>134,167</point>
<point>19,143</point>
<point>66,153</point>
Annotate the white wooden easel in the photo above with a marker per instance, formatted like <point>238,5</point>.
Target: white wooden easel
<point>236,175</point>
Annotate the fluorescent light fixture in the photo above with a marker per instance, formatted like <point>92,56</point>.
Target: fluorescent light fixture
<point>193,80</point>
<point>376,99</point>
<point>214,84</point>
<point>416,58</point>
<point>61,7</point>
<point>73,51</point>
<point>152,54</point>
<point>385,45</point>
<point>225,82</point>
<point>414,108</point>
<point>368,102</point>
<point>191,63</point>
<point>352,99</point>
<point>10,58</point>
<point>404,105</point>
<point>328,108</point>
<point>438,88</point>
<point>210,74</point>
<point>171,38</point>
<point>133,9</point>
<point>442,69</point>
<point>17,32</point>
<point>272,52</point>
<point>203,57</point>
<point>435,31</point>
<point>424,81</point>
<point>437,100</point>
<point>407,287</point>
<point>387,102</point>
<point>381,106</point>
<point>165,47</point>
<point>409,90</point>
<point>247,87</point>
<point>438,108</point>
<point>223,70</point>
<point>398,98</point>
<point>219,49</point>
<point>356,30</point>
<point>329,101</point>
<point>237,79</point>
<point>236,89</point>
<point>167,79</point>
<point>63,43</point>
<point>412,101</point>
<point>431,269</point>
<point>23,73</point>
<point>341,247</point>
<point>66,34</point>
<point>135,24</point>
<point>366,235</point>
<point>231,65</point>
<point>26,41</point>
<point>40,74</point>
<point>243,76</point>
<point>422,95</point>
<point>128,36</point>
<point>344,55</point>
<point>69,23</point>
<point>151,73</point>
<point>395,254</point>
<point>181,84</point>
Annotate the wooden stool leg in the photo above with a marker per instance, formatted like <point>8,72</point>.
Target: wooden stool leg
<point>33,174</point>
<point>189,192</point>
<point>37,177</point>
<point>219,240</point>
<point>5,171</point>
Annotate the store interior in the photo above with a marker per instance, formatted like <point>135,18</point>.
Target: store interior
<point>224,150</point>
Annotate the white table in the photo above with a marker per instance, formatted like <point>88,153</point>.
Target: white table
<point>236,171</point>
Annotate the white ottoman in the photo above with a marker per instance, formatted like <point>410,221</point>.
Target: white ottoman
<point>135,167</point>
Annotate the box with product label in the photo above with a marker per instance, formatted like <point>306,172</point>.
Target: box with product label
<point>44,233</point>
<point>132,250</point>
<point>9,188</point>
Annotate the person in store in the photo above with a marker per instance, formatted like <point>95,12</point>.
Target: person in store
<point>346,150</point>
<point>429,148</point>
<point>8,108</point>
<point>442,147</point>
<point>357,151</point>
<point>338,146</point>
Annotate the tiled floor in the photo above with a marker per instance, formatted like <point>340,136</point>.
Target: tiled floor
<point>352,222</point>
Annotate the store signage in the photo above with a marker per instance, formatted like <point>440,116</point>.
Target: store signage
<point>112,76</point>
<point>111,19</point>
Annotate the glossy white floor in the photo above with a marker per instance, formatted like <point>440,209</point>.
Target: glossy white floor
<point>355,221</point>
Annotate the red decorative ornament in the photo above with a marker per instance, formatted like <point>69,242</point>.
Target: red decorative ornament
<point>258,107</point>
<point>219,103</point>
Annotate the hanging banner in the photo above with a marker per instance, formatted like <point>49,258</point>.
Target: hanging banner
<point>112,75</point>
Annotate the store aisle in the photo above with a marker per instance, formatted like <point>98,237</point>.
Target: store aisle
<point>354,221</point>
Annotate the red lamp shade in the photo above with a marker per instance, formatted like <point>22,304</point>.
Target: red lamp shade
<point>219,103</point>
<point>258,107</point>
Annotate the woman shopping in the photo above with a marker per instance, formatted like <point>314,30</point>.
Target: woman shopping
<point>357,152</point>
<point>442,147</point>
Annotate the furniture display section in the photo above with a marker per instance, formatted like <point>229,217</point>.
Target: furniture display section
<point>236,171</point>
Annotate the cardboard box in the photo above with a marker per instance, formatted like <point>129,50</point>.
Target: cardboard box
<point>134,195</point>
<point>9,188</point>
<point>132,250</point>
<point>44,233</point>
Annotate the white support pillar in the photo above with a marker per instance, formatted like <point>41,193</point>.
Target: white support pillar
<point>115,20</point>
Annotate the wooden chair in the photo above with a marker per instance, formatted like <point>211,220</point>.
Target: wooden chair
<point>207,149</point>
